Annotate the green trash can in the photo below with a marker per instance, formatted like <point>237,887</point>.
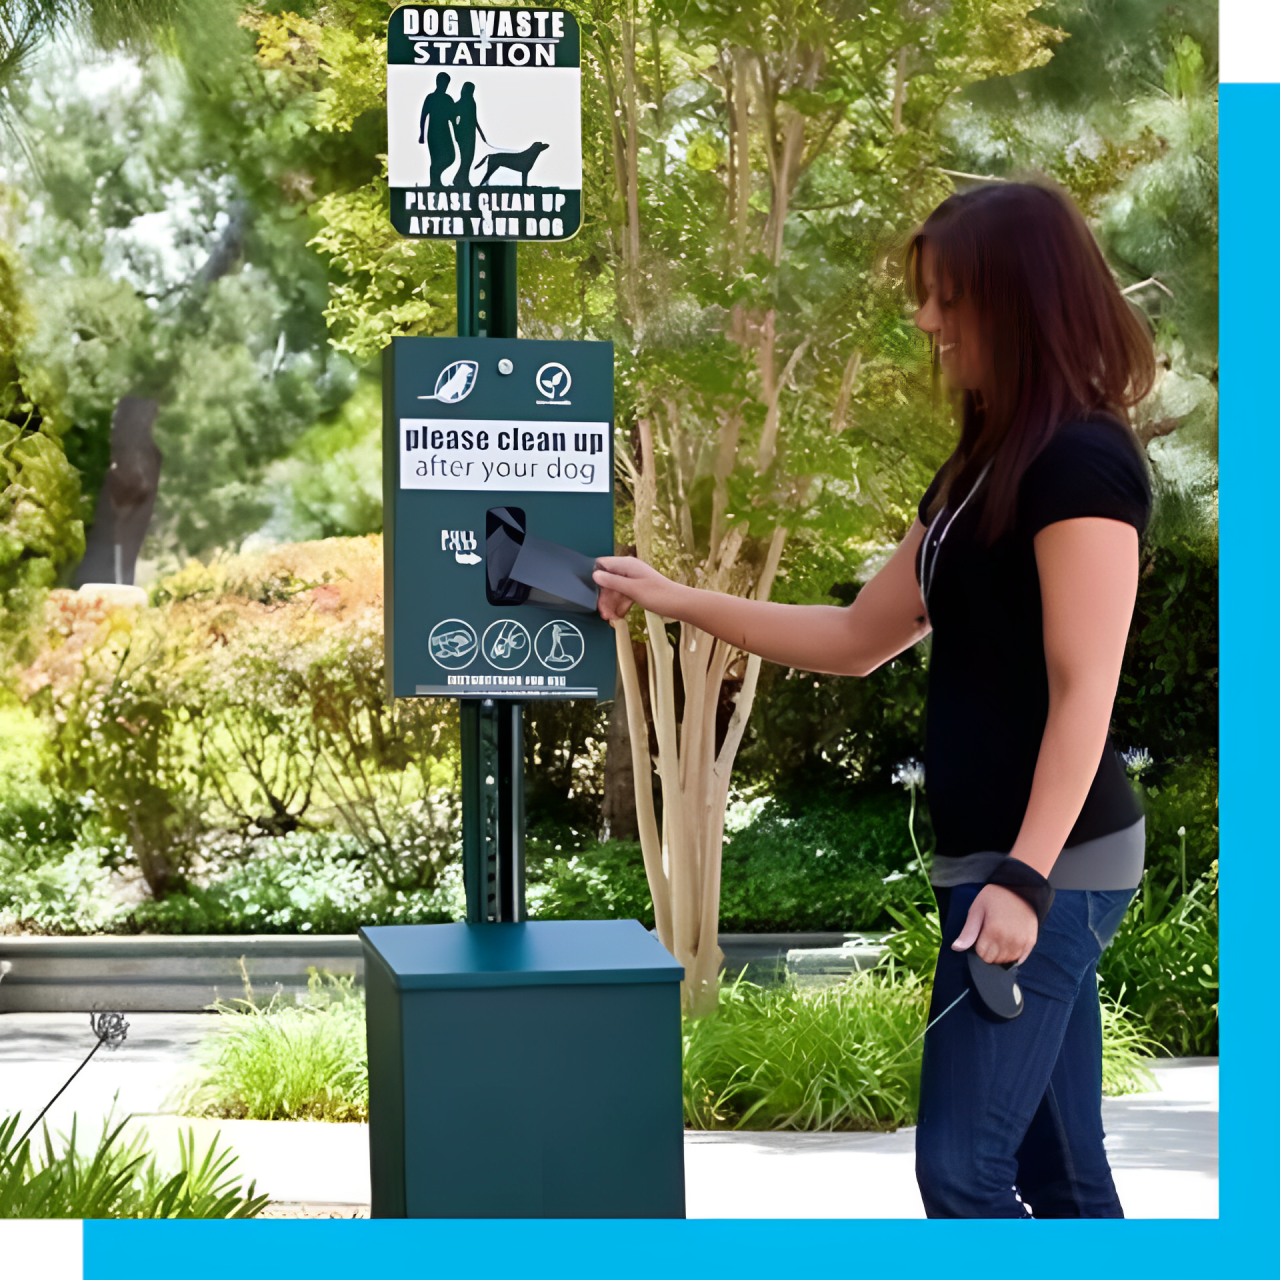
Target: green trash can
<point>524,1071</point>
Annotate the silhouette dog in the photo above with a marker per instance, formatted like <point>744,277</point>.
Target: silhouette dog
<point>520,161</point>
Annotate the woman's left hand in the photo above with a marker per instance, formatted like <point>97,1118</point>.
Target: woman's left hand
<point>1000,927</point>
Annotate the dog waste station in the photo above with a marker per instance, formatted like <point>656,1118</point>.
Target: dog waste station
<point>516,1068</point>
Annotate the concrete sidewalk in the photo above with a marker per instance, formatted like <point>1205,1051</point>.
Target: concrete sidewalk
<point>1163,1146</point>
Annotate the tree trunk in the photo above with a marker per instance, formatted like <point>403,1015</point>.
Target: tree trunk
<point>682,853</point>
<point>122,515</point>
<point>127,498</point>
<point>618,810</point>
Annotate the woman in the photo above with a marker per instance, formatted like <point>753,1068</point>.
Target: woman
<point>465,128</point>
<point>1023,563</point>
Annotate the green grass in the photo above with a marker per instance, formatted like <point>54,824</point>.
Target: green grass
<point>846,1057</point>
<point>1126,1049</point>
<point>286,1062</point>
<point>778,1058</point>
<point>54,1180</point>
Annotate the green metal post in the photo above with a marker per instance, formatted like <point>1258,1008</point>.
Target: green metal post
<point>492,731</point>
<point>486,271</point>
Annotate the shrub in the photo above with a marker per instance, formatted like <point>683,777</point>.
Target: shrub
<point>595,882</point>
<point>53,856</point>
<point>41,530</point>
<point>805,866</point>
<point>117,1180</point>
<point>819,864</point>
<point>808,731</point>
<point>301,883</point>
<point>1182,794</point>
<point>1168,695</point>
<point>1163,964</point>
<point>247,703</point>
<point>68,892</point>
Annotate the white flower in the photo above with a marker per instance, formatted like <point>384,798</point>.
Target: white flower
<point>909,774</point>
<point>894,875</point>
<point>1137,760</point>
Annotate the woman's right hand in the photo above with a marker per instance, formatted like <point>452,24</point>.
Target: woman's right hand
<point>624,581</point>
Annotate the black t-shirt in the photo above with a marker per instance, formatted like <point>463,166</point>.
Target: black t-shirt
<point>988,683</point>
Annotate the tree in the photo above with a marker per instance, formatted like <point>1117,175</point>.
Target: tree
<point>769,365</point>
<point>166,218</point>
<point>1125,116</point>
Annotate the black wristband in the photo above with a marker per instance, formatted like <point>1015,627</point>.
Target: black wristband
<point>1023,879</point>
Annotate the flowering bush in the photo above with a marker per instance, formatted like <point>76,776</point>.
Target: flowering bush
<point>246,702</point>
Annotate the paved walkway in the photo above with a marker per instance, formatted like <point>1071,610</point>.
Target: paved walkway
<point>1163,1146</point>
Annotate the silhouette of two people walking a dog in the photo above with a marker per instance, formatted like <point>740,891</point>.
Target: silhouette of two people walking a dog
<point>445,121</point>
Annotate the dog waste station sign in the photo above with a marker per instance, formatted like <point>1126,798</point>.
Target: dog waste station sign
<point>498,1047</point>
<point>484,136</point>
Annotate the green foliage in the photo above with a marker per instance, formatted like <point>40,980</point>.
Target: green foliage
<point>122,738</point>
<point>777,1058</point>
<point>804,866</point>
<point>811,733</point>
<point>389,286</point>
<point>833,863</point>
<point>915,943</point>
<point>52,848</point>
<point>300,883</point>
<point>1127,1049</point>
<point>1125,116</point>
<point>595,882</point>
<point>330,485</point>
<point>1168,695</point>
<point>286,1062</point>
<point>117,1180</point>
<point>564,766</point>
<point>40,533</point>
<point>1163,964</point>
<point>67,892</point>
<point>136,175</point>
<point>1182,796</point>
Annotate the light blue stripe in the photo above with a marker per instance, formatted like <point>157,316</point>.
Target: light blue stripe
<point>1250,468</point>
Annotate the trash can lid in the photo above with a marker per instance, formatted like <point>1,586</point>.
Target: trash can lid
<point>536,953</point>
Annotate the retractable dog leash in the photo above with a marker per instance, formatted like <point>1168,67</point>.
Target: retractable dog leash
<point>996,986</point>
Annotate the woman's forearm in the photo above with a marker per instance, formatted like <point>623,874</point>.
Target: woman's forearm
<point>887,617</point>
<point>812,637</point>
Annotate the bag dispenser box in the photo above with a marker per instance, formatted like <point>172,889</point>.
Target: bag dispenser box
<point>524,1071</point>
<point>498,497</point>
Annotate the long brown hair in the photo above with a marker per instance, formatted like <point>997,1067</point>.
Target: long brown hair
<point>1066,344</point>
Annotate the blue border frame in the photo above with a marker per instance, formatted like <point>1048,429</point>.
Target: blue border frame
<point>1250,454</point>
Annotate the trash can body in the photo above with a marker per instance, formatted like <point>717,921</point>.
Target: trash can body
<point>524,1071</point>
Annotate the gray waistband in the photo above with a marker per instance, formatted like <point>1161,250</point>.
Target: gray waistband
<point>1113,861</point>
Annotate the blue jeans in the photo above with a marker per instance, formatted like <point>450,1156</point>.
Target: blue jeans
<point>1011,1112</point>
